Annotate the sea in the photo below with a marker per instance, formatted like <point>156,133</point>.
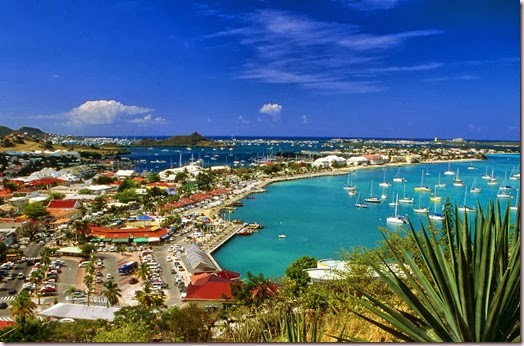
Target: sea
<point>317,215</point>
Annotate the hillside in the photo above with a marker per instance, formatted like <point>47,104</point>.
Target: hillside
<point>193,140</point>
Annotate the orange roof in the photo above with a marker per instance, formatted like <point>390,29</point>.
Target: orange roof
<point>62,203</point>
<point>211,287</point>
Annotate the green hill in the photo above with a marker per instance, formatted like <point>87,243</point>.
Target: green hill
<point>193,140</point>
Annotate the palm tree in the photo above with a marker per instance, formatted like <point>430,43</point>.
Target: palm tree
<point>146,297</point>
<point>22,308</point>
<point>71,293</point>
<point>463,287</point>
<point>112,292</point>
<point>142,272</point>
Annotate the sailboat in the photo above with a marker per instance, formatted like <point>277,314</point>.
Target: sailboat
<point>457,181</point>
<point>492,180</point>
<point>434,197</point>
<point>422,188</point>
<point>505,187</point>
<point>396,218</point>
<point>384,195</point>
<point>436,216</point>
<point>398,178</point>
<point>420,210</point>
<point>474,187</point>
<point>360,205</point>
<point>439,184</point>
<point>371,198</point>
<point>515,207</point>
<point>384,183</point>
<point>449,171</point>
<point>516,175</point>
<point>486,176</point>
<point>349,187</point>
<point>464,207</point>
<point>406,199</point>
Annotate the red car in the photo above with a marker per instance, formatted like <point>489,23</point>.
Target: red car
<point>47,289</point>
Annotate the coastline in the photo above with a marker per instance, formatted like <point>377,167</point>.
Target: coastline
<point>228,229</point>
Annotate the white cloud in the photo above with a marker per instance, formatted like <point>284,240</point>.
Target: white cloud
<point>243,120</point>
<point>147,119</point>
<point>288,48</point>
<point>370,5</point>
<point>103,112</point>
<point>271,109</point>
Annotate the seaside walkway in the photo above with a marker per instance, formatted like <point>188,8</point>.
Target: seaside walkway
<point>223,237</point>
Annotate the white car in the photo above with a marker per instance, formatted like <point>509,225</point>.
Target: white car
<point>183,295</point>
<point>109,276</point>
<point>168,258</point>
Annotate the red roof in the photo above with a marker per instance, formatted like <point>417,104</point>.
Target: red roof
<point>62,204</point>
<point>210,287</point>
<point>45,181</point>
<point>120,233</point>
<point>4,324</point>
<point>227,274</point>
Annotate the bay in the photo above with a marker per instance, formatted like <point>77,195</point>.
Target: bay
<point>319,217</point>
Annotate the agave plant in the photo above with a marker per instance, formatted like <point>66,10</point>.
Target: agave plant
<point>466,287</point>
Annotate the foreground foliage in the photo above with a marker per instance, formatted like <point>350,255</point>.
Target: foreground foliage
<point>464,288</point>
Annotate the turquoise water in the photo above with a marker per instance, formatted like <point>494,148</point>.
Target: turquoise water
<point>319,218</point>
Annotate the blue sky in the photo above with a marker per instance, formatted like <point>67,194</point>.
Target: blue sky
<point>336,68</point>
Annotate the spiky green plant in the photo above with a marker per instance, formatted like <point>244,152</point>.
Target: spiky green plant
<point>466,287</point>
<point>298,327</point>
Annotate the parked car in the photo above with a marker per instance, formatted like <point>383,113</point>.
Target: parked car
<point>20,276</point>
<point>3,305</point>
<point>47,289</point>
<point>109,276</point>
<point>12,291</point>
<point>133,281</point>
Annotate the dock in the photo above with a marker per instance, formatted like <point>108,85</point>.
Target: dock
<point>224,237</point>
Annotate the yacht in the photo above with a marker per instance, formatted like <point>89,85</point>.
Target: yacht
<point>449,171</point>
<point>360,205</point>
<point>397,219</point>
<point>371,198</point>
<point>422,188</point>
<point>398,178</point>
<point>457,181</point>
<point>474,187</point>
<point>464,207</point>
<point>420,210</point>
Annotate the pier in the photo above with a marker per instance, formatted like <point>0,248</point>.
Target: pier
<point>223,237</point>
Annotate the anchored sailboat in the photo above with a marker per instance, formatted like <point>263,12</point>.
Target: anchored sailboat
<point>406,200</point>
<point>398,178</point>
<point>422,188</point>
<point>396,218</point>
<point>464,207</point>
<point>371,198</point>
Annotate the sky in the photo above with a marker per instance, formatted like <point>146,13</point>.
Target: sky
<point>331,68</point>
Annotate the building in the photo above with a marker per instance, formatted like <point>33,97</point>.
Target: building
<point>79,312</point>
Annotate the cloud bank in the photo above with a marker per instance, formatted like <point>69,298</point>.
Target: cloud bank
<point>105,112</point>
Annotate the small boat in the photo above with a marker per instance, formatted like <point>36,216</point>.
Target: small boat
<point>515,207</point>
<point>384,183</point>
<point>472,168</point>
<point>457,181</point>
<point>486,176</point>
<point>505,187</point>
<point>422,188</point>
<point>406,200</point>
<point>398,178</point>
<point>439,184</point>
<point>464,207</point>
<point>436,216</point>
<point>360,205</point>
<point>420,209</point>
<point>371,198</point>
<point>349,187</point>
<point>492,180</point>
<point>244,232</point>
<point>474,187</point>
<point>434,197</point>
<point>449,171</point>
<point>281,236</point>
<point>397,219</point>
<point>383,195</point>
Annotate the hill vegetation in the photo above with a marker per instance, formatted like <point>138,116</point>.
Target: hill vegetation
<point>193,140</point>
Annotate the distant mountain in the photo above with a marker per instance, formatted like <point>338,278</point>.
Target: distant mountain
<point>4,131</point>
<point>193,140</point>
<point>32,132</point>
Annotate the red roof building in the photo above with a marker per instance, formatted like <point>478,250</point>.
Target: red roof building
<point>63,204</point>
<point>208,289</point>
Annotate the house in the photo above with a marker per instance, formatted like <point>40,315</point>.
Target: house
<point>64,209</point>
<point>63,204</point>
<point>125,173</point>
<point>209,289</point>
<point>328,161</point>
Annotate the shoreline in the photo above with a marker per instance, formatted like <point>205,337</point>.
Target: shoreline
<point>231,228</point>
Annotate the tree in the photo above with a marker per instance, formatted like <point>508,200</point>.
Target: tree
<point>127,333</point>
<point>142,272</point>
<point>204,181</point>
<point>112,292</point>
<point>126,184</point>
<point>22,308</point>
<point>87,249</point>
<point>252,291</point>
<point>57,195</point>
<point>71,293</point>
<point>296,277</point>
<point>35,210</point>
<point>466,289</point>
<point>146,297</point>
<point>153,177</point>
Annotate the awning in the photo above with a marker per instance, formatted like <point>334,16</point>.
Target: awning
<point>96,240</point>
<point>140,240</point>
<point>120,240</point>
<point>165,236</point>
<point>153,239</point>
